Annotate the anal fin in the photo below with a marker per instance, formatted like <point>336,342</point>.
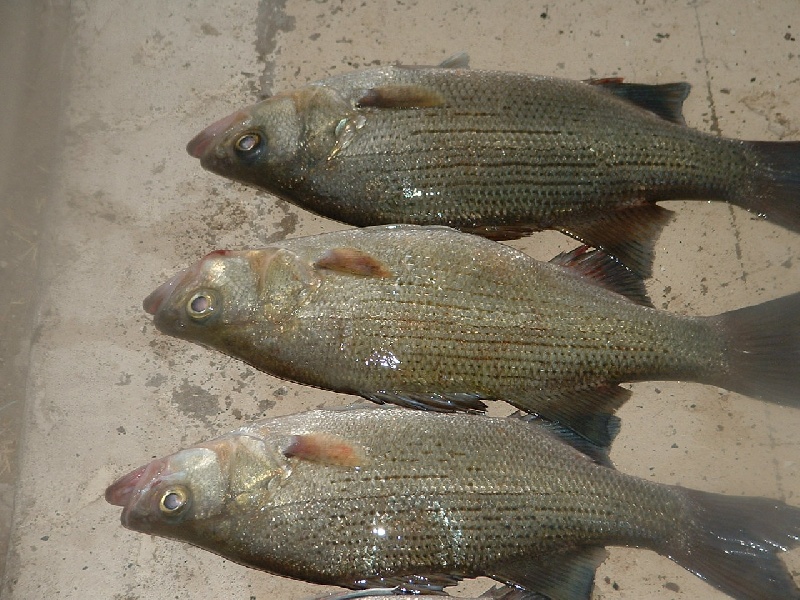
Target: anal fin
<point>559,576</point>
<point>589,412</point>
<point>440,402</point>
<point>628,234</point>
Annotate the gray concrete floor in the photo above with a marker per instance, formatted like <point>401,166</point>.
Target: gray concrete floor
<point>100,203</point>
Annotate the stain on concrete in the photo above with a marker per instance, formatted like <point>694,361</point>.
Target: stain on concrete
<point>195,402</point>
<point>272,18</point>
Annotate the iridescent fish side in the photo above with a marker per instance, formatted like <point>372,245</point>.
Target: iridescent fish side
<point>428,317</point>
<point>499,154</point>
<point>421,509</point>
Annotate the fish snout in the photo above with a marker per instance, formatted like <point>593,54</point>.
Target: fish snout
<point>199,144</point>
<point>120,492</point>
<point>153,302</point>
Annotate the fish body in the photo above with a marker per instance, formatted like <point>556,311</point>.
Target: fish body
<point>431,317</point>
<point>435,498</point>
<point>499,154</point>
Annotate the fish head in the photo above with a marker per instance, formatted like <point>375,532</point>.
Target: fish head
<point>272,144</point>
<point>199,494</point>
<point>230,299</point>
<point>162,497</point>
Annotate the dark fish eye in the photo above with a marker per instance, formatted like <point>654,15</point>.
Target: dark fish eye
<point>201,305</point>
<point>174,501</point>
<point>248,142</point>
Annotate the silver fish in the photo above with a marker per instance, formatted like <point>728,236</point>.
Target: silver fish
<point>435,318</point>
<point>383,497</point>
<point>496,153</point>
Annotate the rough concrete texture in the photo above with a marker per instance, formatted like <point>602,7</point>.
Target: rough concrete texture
<point>105,392</point>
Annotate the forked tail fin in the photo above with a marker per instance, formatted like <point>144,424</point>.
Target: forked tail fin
<point>763,350</point>
<point>734,544</point>
<point>776,191</point>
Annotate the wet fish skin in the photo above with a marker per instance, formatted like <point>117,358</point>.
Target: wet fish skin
<point>496,153</point>
<point>430,317</point>
<point>423,506</point>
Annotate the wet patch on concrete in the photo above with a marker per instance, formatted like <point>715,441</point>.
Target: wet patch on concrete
<point>195,402</point>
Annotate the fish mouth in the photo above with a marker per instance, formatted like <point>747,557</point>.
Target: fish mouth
<point>153,302</point>
<point>198,146</point>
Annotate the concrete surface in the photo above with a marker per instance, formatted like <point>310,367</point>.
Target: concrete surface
<point>125,206</point>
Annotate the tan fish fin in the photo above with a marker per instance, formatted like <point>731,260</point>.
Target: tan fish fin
<point>589,412</point>
<point>352,261</point>
<point>628,235</point>
<point>400,96</point>
<point>606,272</point>
<point>560,576</point>
<point>325,449</point>
<point>663,100</point>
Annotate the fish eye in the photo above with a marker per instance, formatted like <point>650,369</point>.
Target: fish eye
<point>174,501</point>
<point>201,305</point>
<point>248,143</point>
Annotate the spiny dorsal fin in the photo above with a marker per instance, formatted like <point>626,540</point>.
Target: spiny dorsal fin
<point>400,96</point>
<point>664,100</point>
<point>606,272</point>
<point>325,449</point>
<point>459,60</point>
<point>352,261</point>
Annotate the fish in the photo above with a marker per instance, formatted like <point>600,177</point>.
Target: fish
<point>498,154</point>
<point>429,317</point>
<point>424,509</point>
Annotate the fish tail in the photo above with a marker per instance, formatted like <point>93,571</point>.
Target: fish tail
<point>734,541</point>
<point>775,193</point>
<point>763,351</point>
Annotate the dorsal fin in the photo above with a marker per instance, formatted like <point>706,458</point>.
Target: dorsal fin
<point>597,453</point>
<point>459,60</point>
<point>606,272</point>
<point>399,96</point>
<point>664,100</point>
<point>325,449</point>
<point>352,261</point>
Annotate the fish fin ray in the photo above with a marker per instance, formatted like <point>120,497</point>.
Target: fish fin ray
<point>439,402</point>
<point>763,350</point>
<point>399,96</point>
<point>430,584</point>
<point>352,261</point>
<point>595,452</point>
<point>663,100</point>
<point>628,235</point>
<point>589,412</point>
<point>775,194</point>
<point>325,449</point>
<point>734,544</point>
<point>606,272</point>
<point>501,233</point>
<point>559,576</point>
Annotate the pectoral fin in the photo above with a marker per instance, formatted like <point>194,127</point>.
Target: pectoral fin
<point>352,261</point>
<point>559,576</point>
<point>400,96</point>
<point>325,449</point>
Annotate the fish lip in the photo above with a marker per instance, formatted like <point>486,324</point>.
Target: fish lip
<point>156,298</point>
<point>199,145</point>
